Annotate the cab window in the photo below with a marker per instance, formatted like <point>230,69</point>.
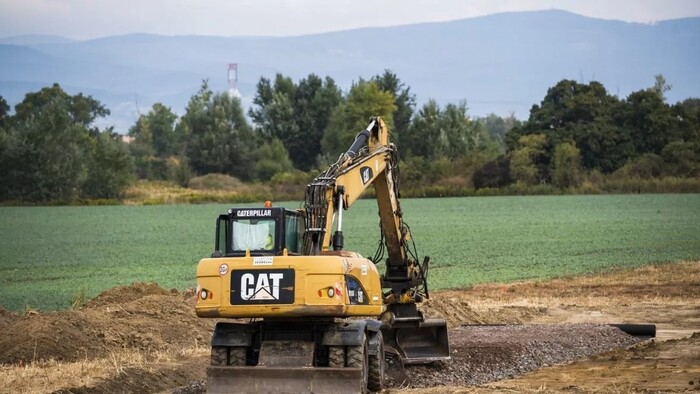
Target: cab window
<point>253,234</point>
<point>291,234</point>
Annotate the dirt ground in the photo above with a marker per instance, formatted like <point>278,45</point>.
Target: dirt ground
<point>546,336</point>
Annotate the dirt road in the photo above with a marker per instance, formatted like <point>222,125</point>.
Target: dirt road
<point>143,338</point>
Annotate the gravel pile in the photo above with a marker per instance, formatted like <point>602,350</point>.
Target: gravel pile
<point>195,387</point>
<point>482,354</point>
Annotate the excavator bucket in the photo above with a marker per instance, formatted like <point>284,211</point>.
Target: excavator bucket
<point>418,342</point>
<point>259,379</point>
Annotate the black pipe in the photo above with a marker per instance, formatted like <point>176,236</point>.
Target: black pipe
<point>645,331</point>
<point>360,142</point>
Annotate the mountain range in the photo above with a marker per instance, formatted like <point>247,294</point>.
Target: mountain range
<point>501,63</point>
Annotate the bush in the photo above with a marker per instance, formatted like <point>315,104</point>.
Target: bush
<point>290,185</point>
<point>179,170</point>
<point>493,174</point>
<point>682,158</point>
<point>567,166</point>
<point>413,170</point>
<point>654,185</point>
<point>646,166</point>
<point>218,182</point>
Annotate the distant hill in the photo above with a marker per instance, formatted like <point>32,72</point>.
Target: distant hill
<point>499,63</point>
<point>34,39</point>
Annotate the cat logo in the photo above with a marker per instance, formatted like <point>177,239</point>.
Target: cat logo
<point>366,174</point>
<point>262,287</point>
<point>266,287</point>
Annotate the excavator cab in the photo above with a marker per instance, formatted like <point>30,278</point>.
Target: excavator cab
<point>260,231</point>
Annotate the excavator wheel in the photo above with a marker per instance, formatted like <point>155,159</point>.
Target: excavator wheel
<point>237,356</point>
<point>219,356</point>
<point>375,366</point>
<point>357,358</point>
<point>336,356</point>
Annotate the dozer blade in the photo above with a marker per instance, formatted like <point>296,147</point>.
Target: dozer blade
<point>260,379</point>
<point>418,342</point>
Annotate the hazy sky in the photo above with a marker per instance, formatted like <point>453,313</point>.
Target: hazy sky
<point>82,19</point>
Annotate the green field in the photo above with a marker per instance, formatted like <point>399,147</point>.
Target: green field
<point>50,254</point>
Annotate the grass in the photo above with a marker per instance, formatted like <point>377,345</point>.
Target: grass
<point>48,255</point>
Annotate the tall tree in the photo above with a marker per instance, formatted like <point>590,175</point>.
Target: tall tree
<point>583,113</point>
<point>161,121</point>
<point>526,163</point>
<point>48,149</point>
<point>156,130</point>
<point>273,107</point>
<point>450,132</point>
<point>219,140</point>
<point>404,100</point>
<point>4,111</point>
<point>462,135</point>
<point>497,126</point>
<point>315,101</point>
<point>566,170</point>
<point>687,115</point>
<point>297,115</point>
<point>80,110</point>
<point>109,168</point>
<point>660,86</point>
<point>650,121</point>
<point>364,100</point>
<point>424,138</point>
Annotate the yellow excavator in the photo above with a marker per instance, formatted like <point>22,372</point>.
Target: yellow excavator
<point>312,317</point>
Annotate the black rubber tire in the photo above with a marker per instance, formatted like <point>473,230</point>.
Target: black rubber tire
<point>375,367</point>
<point>357,358</point>
<point>237,356</point>
<point>336,356</point>
<point>219,356</point>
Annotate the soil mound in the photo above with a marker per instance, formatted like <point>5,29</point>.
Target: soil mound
<point>143,380</point>
<point>456,311</point>
<point>60,335</point>
<point>123,294</point>
<point>6,317</point>
<point>142,316</point>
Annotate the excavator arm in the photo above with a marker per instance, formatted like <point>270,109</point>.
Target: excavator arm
<point>339,187</point>
<point>373,161</point>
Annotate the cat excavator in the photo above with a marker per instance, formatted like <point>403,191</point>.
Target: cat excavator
<point>309,315</point>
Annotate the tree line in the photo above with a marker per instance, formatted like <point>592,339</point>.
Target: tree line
<point>50,149</point>
<point>581,129</point>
